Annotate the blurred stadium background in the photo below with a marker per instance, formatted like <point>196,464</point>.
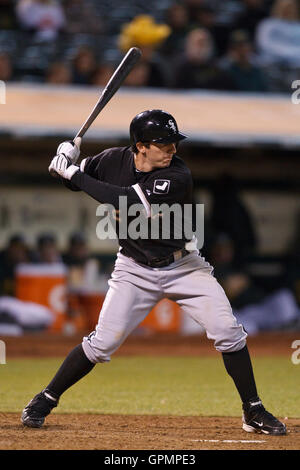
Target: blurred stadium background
<point>226,71</point>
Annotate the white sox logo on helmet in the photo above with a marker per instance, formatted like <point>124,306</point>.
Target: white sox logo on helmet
<point>172,125</point>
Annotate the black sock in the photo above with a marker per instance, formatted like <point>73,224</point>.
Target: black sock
<point>75,366</point>
<point>239,367</point>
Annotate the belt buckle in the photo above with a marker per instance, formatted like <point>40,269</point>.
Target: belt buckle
<point>176,255</point>
<point>159,262</point>
<point>163,262</point>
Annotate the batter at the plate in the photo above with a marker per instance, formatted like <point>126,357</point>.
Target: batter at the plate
<point>150,173</point>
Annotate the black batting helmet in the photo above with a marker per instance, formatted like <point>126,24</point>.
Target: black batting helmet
<point>156,126</point>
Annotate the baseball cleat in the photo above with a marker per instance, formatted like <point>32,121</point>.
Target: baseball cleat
<point>257,419</point>
<point>37,409</point>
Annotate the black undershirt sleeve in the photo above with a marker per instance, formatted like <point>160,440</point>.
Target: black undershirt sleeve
<point>104,192</point>
<point>70,185</point>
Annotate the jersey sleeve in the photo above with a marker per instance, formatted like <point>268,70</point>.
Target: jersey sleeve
<point>92,166</point>
<point>103,192</point>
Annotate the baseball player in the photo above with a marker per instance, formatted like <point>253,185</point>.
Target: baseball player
<point>148,173</point>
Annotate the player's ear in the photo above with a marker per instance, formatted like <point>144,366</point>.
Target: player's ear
<point>141,147</point>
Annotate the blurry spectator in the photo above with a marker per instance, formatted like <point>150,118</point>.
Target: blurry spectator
<point>198,68</point>
<point>84,269</point>
<point>221,254</point>
<point>8,18</point>
<point>239,288</point>
<point>45,18</point>
<point>239,64</point>
<point>140,75</point>
<point>15,253</point>
<point>206,17</point>
<point>144,33</point>
<point>6,67</point>
<point>255,309</point>
<point>230,215</point>
<point>278,37</point>
<point>83,66</point>
<point>192,7</point>
<point>253,12</point>
<point>178,21</point>
<point>18,317</point>
<point>47,251</point>
<point>102,74</point>
<point>58,74</point>
<point>77,252</point>
<point>82,17</point>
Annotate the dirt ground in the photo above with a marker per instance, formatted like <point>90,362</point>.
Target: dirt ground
<point>121,432</point>
<point>108,432</point>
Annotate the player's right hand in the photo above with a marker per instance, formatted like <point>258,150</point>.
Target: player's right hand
<point>62,166</point>
<point>70,149</point>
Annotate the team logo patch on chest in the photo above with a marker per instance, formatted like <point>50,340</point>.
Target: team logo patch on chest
<point>161,186</point>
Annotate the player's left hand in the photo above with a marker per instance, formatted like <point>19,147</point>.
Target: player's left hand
<point>70,149</point>
<point>63,166</point>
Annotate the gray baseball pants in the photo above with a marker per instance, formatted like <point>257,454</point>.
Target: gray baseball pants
<point>135,289</point>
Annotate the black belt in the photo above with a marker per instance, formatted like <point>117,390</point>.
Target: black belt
<point>161,262</point>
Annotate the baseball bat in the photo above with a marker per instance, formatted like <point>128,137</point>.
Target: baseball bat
<point>112,86</point>
<point>114,83</point>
